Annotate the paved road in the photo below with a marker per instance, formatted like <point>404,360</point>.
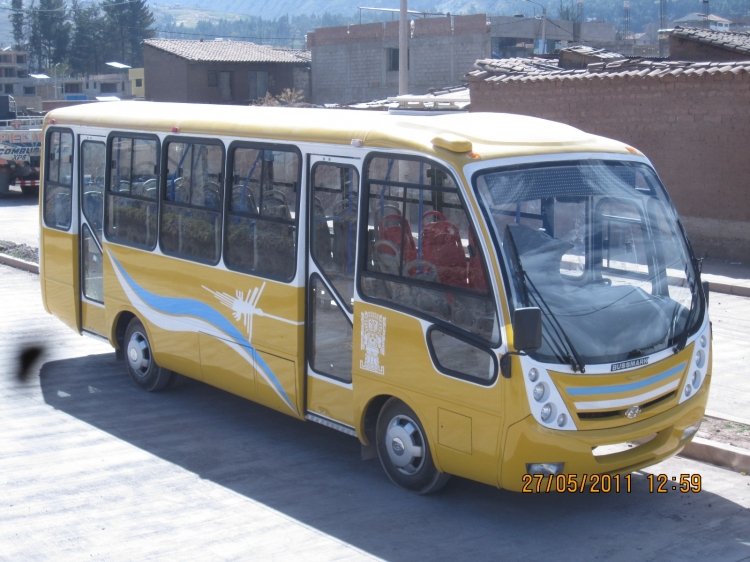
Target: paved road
<point>730,385</point>
<point>93,468</point>
<point>19,218</point>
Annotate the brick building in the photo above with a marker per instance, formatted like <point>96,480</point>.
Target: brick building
<point>692,119</point>
<point>694,44</point>
<point>221,71</point>
<point>358,63</point>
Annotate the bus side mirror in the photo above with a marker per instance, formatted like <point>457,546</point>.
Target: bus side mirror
<point>527,329</point>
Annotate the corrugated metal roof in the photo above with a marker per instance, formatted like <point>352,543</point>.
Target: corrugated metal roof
<point>227,50</point>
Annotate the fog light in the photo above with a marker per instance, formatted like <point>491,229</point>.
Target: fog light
<point>552,468</point>
<point>688,390</point>
<point>704,340</point>
<point>547,411</point>
<point>540,392</point>
<point>700,358</point>
<point>696,379</point>
<point>533,374</point>
<point>562,419</point>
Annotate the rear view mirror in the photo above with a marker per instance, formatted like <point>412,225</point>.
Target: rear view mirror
<point>527,329</point>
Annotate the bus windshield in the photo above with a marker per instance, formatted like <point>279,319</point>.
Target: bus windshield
<point>596,245</point>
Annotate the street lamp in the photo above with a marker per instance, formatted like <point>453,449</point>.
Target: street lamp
<point>544,26</point>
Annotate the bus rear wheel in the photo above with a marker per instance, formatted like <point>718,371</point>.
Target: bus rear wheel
<point>142,367</point>
<point>403,450</point>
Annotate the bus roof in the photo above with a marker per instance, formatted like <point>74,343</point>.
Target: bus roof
<point>478,135</point>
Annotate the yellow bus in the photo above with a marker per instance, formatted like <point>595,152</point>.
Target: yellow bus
<point>491,296</point>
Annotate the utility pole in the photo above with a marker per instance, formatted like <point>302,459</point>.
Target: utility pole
<point>403,51</point>
<point>544,26</point>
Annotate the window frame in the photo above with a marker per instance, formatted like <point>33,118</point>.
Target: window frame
<point>228,213</point>
<point>47,181</point>
<point>109,193</point>
<point>365,253</point>
<point>164,204</point>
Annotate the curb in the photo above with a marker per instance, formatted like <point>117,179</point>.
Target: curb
<point>699,449</point>
<point>727,289</point>
<point>31,267</point>
<point>719,454</point>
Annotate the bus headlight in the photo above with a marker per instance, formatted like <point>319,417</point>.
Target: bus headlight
<point>540,392</point>
<point>547,412</point>
<point>545,402</point>
<point>699,364</point>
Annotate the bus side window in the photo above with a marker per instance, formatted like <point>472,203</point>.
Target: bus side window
<point>131,203</point>
<point>422,253</point>
<point>58,183</point>
<point>261,223</point>
<point>190,225</point>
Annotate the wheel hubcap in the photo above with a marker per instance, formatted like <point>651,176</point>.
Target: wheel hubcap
<point>139,355</point>
<point>405,444</point>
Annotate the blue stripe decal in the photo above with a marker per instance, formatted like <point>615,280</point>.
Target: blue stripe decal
<point>185,307</point>
<point>190,308</point>
<point>627,387</point>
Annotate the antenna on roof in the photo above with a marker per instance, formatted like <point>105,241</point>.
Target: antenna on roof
<point>706,13</point>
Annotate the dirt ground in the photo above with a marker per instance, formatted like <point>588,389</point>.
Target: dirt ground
<point>724,431</point>
<point>20,251</point>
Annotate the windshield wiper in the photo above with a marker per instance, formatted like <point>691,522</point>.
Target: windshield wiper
<point>695,286</point>
<point>561,339</point>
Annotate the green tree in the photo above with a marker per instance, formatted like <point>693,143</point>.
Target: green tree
<point>17,21</point>
<point>86,56</point>
<point>50,33</point>
<point>127,24</point>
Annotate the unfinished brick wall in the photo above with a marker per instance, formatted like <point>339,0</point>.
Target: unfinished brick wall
<point>349,64</point>
<point>695,128</point>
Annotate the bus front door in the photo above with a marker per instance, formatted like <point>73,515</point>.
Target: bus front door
<point>332,235</point>
<point>92,163</point>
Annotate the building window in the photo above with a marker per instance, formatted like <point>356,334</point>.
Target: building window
<point>20,59</point>
<point>139,82</point>
<point>258,84</point>
<point>213,78</point>
<point>391,59</point>
<point>29,90</point>
<point>225,85</point>
<point>73,88</point>
<point>8,88</point>
<point>108,88</point>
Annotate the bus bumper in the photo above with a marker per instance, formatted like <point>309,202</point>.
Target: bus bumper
<point>586,453</point>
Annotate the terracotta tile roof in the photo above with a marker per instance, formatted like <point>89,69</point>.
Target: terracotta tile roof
<point>533,69</point>
<point>226,50</point>
<point>730,40</point>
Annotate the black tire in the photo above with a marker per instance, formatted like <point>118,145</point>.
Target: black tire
<point>403,450</point>
<point>142,367</point>
<point>29,191</point>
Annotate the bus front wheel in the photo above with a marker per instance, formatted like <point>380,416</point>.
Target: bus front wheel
<point>140,360</point>
<point>403,450</point>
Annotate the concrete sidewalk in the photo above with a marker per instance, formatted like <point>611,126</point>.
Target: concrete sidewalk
<point>731,278</point>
